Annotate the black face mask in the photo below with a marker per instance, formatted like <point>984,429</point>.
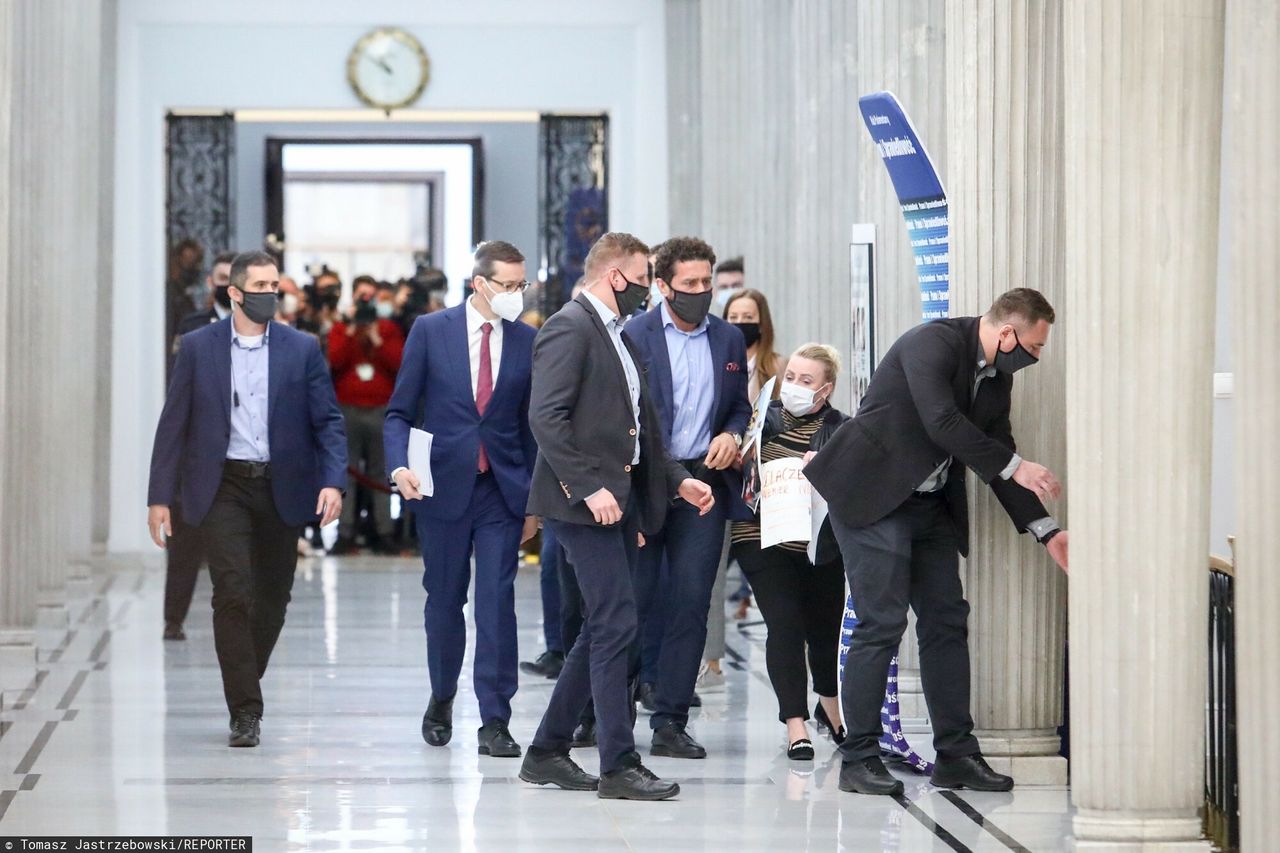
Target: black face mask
<point>690,307</point>
<point>222,296</point>
<point>1015,359</point>
<point>750,332</point>
<point>630,298</point>
<point>259,307</point>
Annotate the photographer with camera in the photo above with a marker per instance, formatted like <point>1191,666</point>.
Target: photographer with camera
<point>364,354</point>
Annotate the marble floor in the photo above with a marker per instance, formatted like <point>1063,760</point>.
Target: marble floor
<point>123,734</point>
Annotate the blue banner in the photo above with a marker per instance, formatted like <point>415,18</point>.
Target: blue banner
<point>924,202</point>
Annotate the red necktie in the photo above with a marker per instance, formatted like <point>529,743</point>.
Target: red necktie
<point>484,385</point>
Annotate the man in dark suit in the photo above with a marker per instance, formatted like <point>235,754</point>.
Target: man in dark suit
<point>250,443</point>
<point>894,479</point>
<point>696,367</point>
<point>467,369</point>
<point>602,477</point>
<point>183,552</point>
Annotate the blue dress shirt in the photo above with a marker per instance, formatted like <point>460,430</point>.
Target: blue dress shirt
<point>250,440</point>
<point>692,387</point>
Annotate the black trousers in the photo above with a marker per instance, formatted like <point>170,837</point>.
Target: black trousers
<point>803,606</point>
<point>570,613</point>
<point>184,555</point>
<point>597,666</point>
<point>252,555</point>
<point>907,558</point>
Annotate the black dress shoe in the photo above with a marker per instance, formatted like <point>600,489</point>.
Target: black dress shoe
<point>673,741</point>
<point>548,665</point>
<point>696,701</point>
<point>245,729</point>
<point>648,696</point>
<point>496,740</point>
<point>970,772</point>
<point>823,723</point>
<point>541,768</point>
<point>343,546</point>
<point>173,631</point>
<point>437,723</point>
<point>868,776</point>
<point>635,783</point>
<point>584,736</point>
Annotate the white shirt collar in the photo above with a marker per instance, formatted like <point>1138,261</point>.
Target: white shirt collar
<point>475,319</point>
<point>222,313</point>
<point>603,310</point>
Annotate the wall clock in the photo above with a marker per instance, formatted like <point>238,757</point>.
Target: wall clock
<point>388,68</point>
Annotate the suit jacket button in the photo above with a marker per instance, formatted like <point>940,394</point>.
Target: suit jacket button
<point>627,468</point>
<point>631,432</point>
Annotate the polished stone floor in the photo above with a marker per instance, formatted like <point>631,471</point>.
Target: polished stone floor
<point>123,734</point>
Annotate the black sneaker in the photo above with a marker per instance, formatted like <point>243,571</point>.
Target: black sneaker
<point>869,776</point>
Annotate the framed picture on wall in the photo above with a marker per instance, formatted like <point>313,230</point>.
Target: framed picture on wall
<point>862,302</point>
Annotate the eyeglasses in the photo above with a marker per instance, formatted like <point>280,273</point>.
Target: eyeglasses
<point>510,286</point>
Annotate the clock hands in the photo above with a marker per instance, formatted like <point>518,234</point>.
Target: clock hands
<point>380,61</point>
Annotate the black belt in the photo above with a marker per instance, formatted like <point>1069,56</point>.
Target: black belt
<point>249,470</point>
<point>697,468</point>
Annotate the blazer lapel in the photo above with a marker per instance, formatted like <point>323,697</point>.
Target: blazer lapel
<point>222,366</point>
<point>664,392</point>
<point>719,359</point>
<point>594,317</point>
<point>275,365</point>
<point>505,365</point>
<point>459,346</point>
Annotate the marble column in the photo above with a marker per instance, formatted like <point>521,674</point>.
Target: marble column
<point>1005,187</point>
<point>1143,97</point>
<point>684,117</point>
<point>1252,205</point>
<point>104,134</point>
<point>901,48</point>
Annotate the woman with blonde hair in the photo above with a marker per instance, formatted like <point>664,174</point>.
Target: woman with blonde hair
<point>802,602</point>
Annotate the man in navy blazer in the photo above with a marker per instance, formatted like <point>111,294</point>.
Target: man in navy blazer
<point>696,366</point>
<point>251,445</point>
<point>467,369</point>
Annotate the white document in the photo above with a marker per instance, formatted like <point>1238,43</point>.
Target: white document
<point>420,460</point>
<point>786,503</point>
<point>819,515</point>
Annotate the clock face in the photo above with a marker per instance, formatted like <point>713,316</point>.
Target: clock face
<point>388,69</point>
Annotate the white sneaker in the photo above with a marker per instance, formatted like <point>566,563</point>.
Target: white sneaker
<point>709,680</point>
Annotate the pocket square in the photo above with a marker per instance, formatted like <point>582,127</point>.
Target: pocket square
<point>733,367</point>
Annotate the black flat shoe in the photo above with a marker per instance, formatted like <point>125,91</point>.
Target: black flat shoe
<point>245,730</point>
<point>970,772</point>
<point>800,750</point>
<point>548,665</point>
<point>635,783</point>
<point>584,736</point>
<point>868,776</point>
<point>674,741</point>
<point>437,723</point>
<point>496,740</point>
<point>558,770</point>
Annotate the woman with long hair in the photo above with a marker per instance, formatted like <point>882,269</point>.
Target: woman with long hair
<point>749,311</point>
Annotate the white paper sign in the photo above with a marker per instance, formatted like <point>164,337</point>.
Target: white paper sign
<point>786,503</point>
<point>819,515</point>
<point>420,460</point>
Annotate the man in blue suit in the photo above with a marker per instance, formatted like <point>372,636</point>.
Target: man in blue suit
<point>468,370</point>
<point>697,369</point>
<point>251,445</point>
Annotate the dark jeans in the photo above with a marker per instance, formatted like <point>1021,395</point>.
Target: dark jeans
<point>252,555</point>
<point>803,606</point>
<point>691,545</point>
<point>184,555</point>
<point>604,560</point>
<point>549,578</point>
<point>907,558</point>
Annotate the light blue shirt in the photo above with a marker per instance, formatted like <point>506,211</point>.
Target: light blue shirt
<point>692,387</point>
<point>249,435</point>
<point>613,324</point>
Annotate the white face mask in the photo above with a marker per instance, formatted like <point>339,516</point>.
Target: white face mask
<point>508,306</point>
<point>722,297</point>
<point>288,304</point>
<point>385,310</point>
<point>797,399</point>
